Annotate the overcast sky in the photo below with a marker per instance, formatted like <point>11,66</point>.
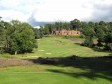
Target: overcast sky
<point>37,12</point>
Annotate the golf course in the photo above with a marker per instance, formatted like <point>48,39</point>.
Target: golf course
<point>71,64</point>
<point>55,42</point>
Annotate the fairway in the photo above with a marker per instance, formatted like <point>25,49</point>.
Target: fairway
<point>44,74</point>
<point>55,42</point>
<point>90,71</point>
<point>60,47</point>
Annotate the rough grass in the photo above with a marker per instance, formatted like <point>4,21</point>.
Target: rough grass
<point>6,62</point>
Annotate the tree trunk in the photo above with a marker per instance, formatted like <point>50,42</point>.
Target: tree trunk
<point>15,52</point>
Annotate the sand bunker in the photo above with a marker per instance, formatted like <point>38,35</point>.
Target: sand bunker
<point>41,50</point>
<point>49,53</point>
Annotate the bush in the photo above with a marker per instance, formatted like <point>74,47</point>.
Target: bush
<point>88,42</point>
<point>108,47</point>
<point>82,36</point>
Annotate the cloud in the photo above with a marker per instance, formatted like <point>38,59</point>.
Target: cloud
<point>8,15</point>
<point>32,20</point>
<point>17,9</point>
<point>102,11</point>
<point>38,12</point>
<point>60,10</point>
<point>66,10</point>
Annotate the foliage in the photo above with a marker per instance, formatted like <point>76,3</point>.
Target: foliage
<point>89,34</point>
<point>17,37</point>
<point>75,24</point>
<point>88,42</point>
<point>89,30</point>
<point>101,30</point>
<point>39,33</point>
<point>74,36</point>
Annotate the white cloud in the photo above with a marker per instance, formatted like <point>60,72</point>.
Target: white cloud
<point>62,10</point>
<point>17,9</point>
<point>11,14</point>
<point>66,10</point>
<point>52,10</point>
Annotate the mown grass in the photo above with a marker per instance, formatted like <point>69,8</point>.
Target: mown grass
<point>48,74</point>
<point>89,71</point>
<point>59,47</point>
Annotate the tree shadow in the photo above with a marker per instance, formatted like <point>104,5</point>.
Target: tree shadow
<point>92,65</point>
<point>78,44</point>
<point>110,54</point>
<point>95,48</point>
<point>89,75</point>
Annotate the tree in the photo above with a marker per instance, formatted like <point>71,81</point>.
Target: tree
<point>2,35</point>
<point>8,30</point>
<point>88,41</point>
<point>38,33</point>
<point>100,35</point>
<point>47,29</point>
<point>103,26</point>
<point>22,39</point>
<point>91,24</point>
<point>108,41</point>
<point>89,34</point>
<point>75,24</point>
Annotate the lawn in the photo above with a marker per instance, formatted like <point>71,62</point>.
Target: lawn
<point>92,70</point>
<point>58,47</point>
<point>47,74</point>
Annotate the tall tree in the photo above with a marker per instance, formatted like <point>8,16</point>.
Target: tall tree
<point>76,24</point>
<point>22,39</point>
<point>2,35</point>
<point>108,41</point>
<point>89,34</point>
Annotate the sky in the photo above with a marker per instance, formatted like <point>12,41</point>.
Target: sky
<point>39,12</point>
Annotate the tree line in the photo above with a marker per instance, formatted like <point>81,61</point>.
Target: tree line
<point>89,30</point>
<point>100,30</point>
<point>49,28</point>
<point>16,37</point>
<point>20,37</point>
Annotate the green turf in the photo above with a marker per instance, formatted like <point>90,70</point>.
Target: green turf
<point>44,74</point>
<point>58,47</point>
<point>80,73</point>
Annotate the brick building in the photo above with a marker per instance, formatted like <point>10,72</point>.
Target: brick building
<point>66,32</point>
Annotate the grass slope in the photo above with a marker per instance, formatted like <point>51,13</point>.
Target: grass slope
<point>58,47</point>
<point>89,71</point>
<point>47,74</point>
